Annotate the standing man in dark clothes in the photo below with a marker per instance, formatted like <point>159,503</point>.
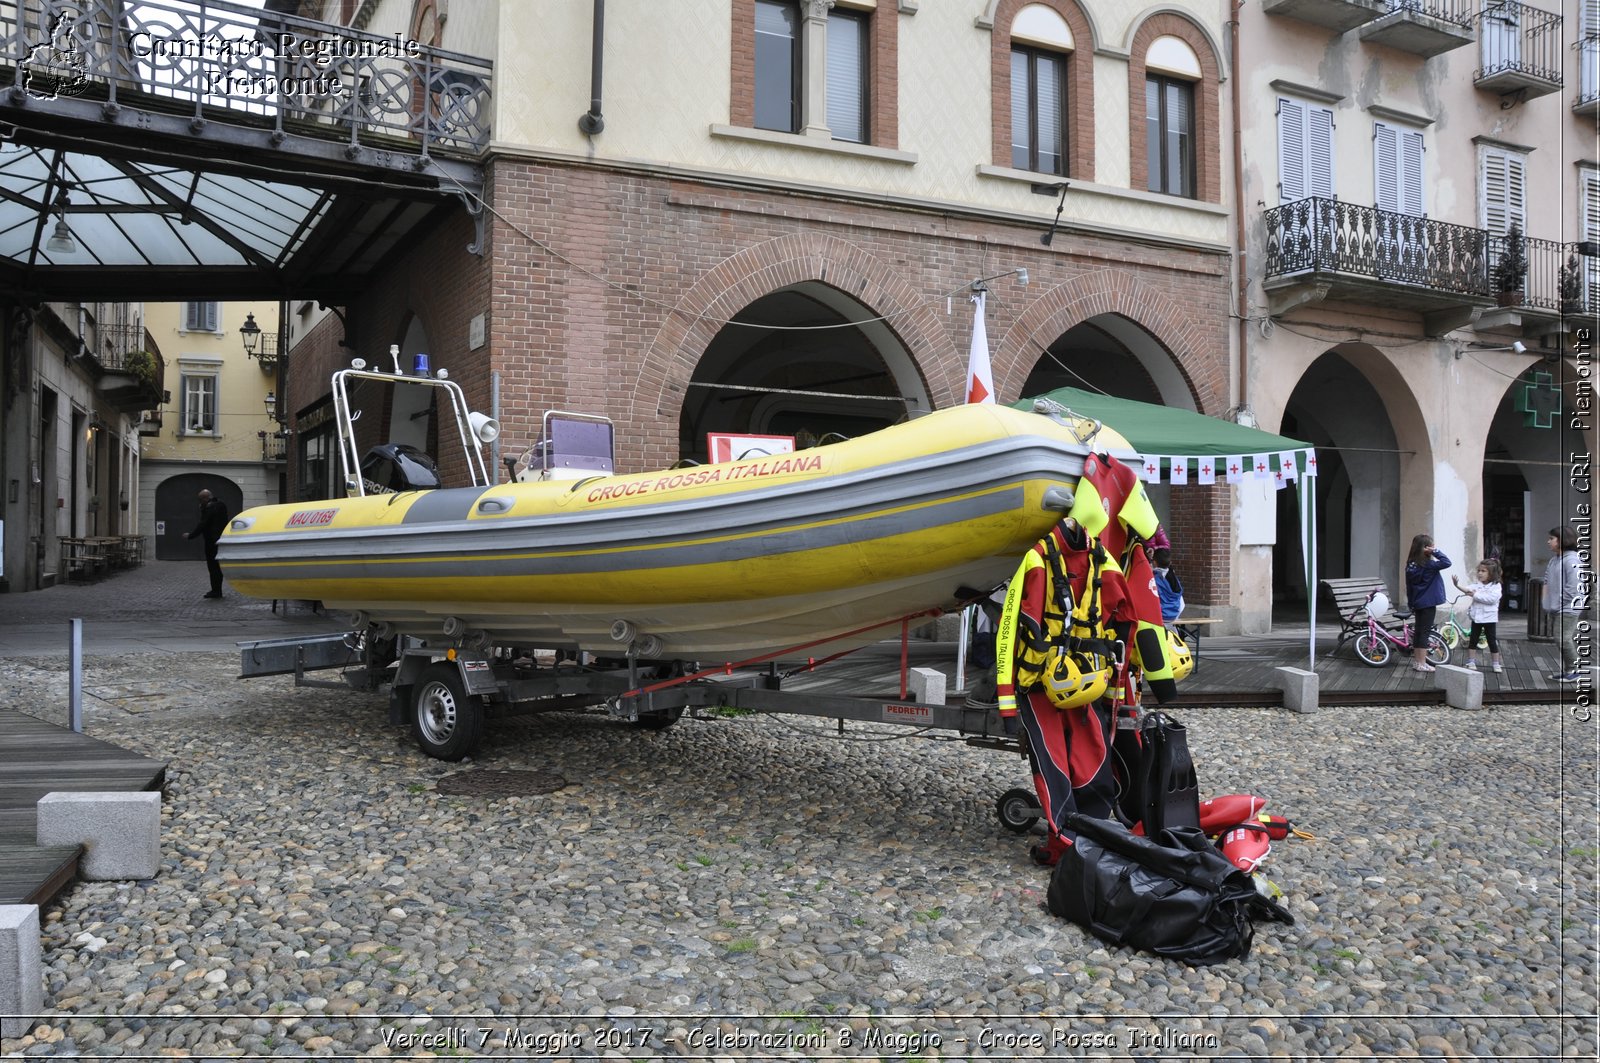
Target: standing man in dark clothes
<point>213,521</point>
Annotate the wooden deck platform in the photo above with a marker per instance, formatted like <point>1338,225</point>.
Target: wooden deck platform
<point>1237,670</point>
<point>37,758</point>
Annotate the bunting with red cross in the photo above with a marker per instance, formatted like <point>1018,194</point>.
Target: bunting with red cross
<point>1282,468</point>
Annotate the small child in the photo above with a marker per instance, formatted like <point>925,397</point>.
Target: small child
<point>1484,612</point>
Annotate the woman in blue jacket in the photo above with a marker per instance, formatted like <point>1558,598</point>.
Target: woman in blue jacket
<point>1424,594</point>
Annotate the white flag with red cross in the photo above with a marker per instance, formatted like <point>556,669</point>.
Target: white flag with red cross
<point>980,380</point>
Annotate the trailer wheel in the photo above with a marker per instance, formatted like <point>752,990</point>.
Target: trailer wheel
<point>1018,810</point>
<point>445,719</point>
<point>658,721</point>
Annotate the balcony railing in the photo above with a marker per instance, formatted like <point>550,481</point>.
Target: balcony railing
<point>129,349</point>
<point>1318,235</point>
<point>1456,12</point>
<point>1520,47</point>
<point>1588,98</point>
<point>223,61</point>
<point>1542,286</point>
<point>272,446</point>
<point>267,352</point>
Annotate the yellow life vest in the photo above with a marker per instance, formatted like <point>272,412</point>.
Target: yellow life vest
<point>1050,652</point>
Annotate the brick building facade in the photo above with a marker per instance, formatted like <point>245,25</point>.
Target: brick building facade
<point>631,276</point>
<point>613,264</point>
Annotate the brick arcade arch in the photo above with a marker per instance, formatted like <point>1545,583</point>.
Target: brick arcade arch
<point>1108,293</point>
<point>924,344</point>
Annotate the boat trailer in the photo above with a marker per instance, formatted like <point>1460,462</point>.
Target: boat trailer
<point>448,694</point>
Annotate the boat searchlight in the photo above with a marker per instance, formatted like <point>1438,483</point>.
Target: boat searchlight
<point>486,428</point>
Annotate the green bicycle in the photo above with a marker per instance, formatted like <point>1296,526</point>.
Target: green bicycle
<point>1454,630</point>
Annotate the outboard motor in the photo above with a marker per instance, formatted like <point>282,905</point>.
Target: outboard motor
<point>399,467</point>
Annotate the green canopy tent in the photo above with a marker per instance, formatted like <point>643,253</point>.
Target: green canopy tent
<point>1184,447</point>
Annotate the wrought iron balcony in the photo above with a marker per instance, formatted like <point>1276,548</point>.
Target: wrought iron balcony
<point>224,61</point>
<point>1336,15</point>
<point>1542,288</point>
<point>1423,27</point>
<point>132,373</point>
<point>1587,103</point>
<point>1376,256</point>
<point>1520,47</point>
<point>267,352</point>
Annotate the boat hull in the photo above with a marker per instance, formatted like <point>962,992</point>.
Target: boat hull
<point>715,561</point>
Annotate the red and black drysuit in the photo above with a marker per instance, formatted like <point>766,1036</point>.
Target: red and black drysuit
<point>1070,748</point>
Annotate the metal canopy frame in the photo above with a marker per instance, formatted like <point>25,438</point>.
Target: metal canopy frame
<point>312,196</point>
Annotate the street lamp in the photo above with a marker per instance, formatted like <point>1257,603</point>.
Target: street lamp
<point>250,333</point>
<point>272,405</point>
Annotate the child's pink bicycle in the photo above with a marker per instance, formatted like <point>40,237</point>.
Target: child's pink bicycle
<point>1377,644</point>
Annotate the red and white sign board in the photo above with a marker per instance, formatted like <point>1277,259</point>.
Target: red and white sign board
<point>726,446</point>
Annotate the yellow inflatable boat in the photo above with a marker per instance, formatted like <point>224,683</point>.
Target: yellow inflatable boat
<point>708,563</point>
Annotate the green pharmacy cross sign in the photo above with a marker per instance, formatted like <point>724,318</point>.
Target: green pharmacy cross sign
<point>1539,401</point>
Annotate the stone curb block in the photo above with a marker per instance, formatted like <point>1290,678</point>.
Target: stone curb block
<point>926,685</point>
<point>1463,687</point>
<point>120,832</point>
<point>21,976</point>
<point>1299,688</point>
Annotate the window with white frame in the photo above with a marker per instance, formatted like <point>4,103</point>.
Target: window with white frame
<point>1589,51</point>
<point>1401,244</point>
<point>200,317</point>
<point>199,413</point>
<point>1502,200</point>
<point>1305,150</point>
<point>1500,35</point>
<point>1305,177</point>
<point>1589,212</point>
<point>1397,168</point>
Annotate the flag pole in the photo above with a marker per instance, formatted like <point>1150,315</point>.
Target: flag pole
<point>980,389</point>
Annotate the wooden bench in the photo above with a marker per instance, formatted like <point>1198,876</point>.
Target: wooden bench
<point>1349,595</point>
<point>1190,631</point>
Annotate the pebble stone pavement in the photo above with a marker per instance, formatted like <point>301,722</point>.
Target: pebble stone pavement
<point>763,887</point>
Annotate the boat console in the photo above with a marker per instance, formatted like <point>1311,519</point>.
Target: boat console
<point>394,467</point>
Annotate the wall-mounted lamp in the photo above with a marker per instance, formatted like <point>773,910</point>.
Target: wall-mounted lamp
<point>1517,347</point>
<point>1021,273</point>
<point>271,402</point>
<point>61,241</point>
<point>250,333</point>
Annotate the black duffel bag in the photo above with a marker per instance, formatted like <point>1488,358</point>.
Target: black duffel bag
<point>1174,895</point>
